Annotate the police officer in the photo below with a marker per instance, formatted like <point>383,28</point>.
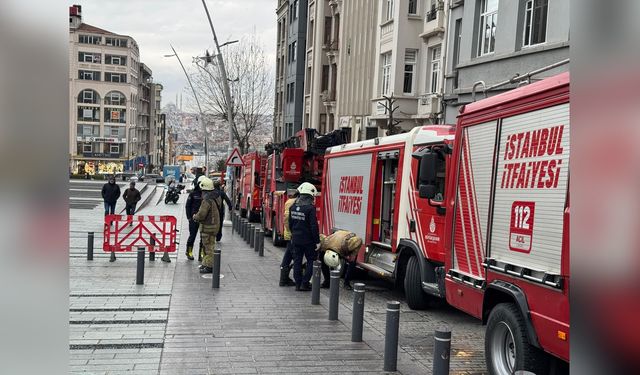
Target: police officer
<point>209,218</point>
<point>305,236</point>
<point>287,258</point>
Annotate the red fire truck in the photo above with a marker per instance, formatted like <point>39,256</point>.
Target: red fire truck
<point>482,221</point>
<point>251,177</point>
<point>290,163</point>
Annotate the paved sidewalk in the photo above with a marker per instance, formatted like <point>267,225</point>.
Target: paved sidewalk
<point>177,324</point>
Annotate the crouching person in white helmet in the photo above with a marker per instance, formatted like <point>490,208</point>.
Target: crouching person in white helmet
<point>341,244</point>
<point>305,235</point>
<point>209,218</point>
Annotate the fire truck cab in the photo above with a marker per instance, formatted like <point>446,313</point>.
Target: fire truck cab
<point>251,180</point>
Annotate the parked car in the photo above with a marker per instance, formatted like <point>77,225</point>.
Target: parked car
<point>124,176</point>
<point>149,177</point>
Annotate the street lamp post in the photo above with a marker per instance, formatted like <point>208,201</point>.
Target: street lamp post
<point>227,94</point>
<point>195,95</point>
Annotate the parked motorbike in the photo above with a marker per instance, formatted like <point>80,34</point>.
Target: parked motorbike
<point>173,194</point>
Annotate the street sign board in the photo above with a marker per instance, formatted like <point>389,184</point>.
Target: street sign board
<point>235,159</point>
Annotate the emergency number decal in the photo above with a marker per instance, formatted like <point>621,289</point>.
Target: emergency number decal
<point>521,228</point>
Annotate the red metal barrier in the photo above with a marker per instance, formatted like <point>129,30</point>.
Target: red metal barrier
<point>126,233</point>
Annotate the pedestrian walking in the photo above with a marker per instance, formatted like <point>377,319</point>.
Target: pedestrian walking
<point>194,199</point>
<point>305,236</point>
<point>110,195</point>
<point>209,218</point>
<point>287,258</point>
<point>131,198</point>
<point>217,185</point>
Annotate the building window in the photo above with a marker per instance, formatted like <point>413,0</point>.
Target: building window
<point>488,22</point>
<point>115,60</point>
<point>89,57</point>
<point>114,149</point>
<point>293,51</point>
<point>327,30</point>
<point>90,39</point>
<point>325,78</point>
<point>115,77</point>
<point>89,75</point>
<point>87,147</point>
<point>413,7</point>
<point>115,98</point>
<point>295,9</point>
<point>88,113</point>
<point>535,25</point>
<point>114,131</point>
<point>293,91</point>
<point>388,10</point>
<point>88,130</point>
<point>410,57</point>
<point>386,73</point>
<point>117,115</point>
<point>88,96</point>
<point>115,42</point>
<point>435,54</point>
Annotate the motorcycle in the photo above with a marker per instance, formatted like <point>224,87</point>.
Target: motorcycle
<point>173,194</point>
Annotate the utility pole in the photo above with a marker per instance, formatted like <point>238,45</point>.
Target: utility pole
<point>227,95</point>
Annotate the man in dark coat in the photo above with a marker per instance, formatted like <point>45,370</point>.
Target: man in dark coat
<point>110,195</point>
<point>191,207</point>
<point>217,186</point>
<point>305,236</point>
<point>131,198</point>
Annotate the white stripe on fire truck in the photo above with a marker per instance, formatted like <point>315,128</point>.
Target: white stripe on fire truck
<point>464,238</point>
<point>413,205</point>
<point>476,234</point>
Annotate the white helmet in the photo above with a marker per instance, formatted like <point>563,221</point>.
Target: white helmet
<point>205,183</point>
<point>307,188</point>
<point>331,258</point>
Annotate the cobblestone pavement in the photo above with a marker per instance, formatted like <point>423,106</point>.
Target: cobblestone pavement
<point>177,324</point>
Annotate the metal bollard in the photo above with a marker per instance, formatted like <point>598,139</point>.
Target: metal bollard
<point>252,233</point>
<point>140,267</point>
<point>441,351</point>
<point>90,246</point>
<point>152,252</point>
<point>243,229</point>
<point>215,283</point>
<point>334,295</point>
<point>113,257</point>
<point>256,240</point>
<point>260,243</point>
<point>357,316</point>
<point>391,336</point>
<point>315,285</point>
<point>233,223</point>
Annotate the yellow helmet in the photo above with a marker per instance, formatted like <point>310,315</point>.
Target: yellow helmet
<point>331,258</point>
<point>205,183</point>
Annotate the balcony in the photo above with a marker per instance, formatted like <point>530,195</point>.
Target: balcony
<point>428,104</point>
<point>434,22</point>
<point>332,51</point>
<point>328,96</point>
<point>386,28</point>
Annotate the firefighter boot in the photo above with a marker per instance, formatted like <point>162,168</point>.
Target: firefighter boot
<point>190,252</point>
<point>284,277</point>
<point>201,253</point>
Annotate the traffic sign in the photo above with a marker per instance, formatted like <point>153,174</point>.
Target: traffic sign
<point>235,160</point>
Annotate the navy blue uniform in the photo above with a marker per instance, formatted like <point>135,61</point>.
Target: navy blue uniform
<point>304,237</point>
<point>192,206</point>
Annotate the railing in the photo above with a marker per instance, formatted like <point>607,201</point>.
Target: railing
<point>432,15</point>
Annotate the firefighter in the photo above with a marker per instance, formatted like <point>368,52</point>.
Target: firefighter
<point>287,258</point>
<point>305,236</point>
<point>217,185</point>
<point>341,244</point>
<point>209,218</point>
<point>192,206</point>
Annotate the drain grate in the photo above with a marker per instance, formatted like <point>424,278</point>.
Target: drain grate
<point>121,309</point>
<point>149,321</point>
<point>141,345</point>
<point>122,295</point>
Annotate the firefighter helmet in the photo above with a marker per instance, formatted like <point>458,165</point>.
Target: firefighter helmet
<point>307,188</point>
<point>331,258</point>
<point>205,183</point>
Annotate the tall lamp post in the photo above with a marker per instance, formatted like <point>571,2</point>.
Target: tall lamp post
<point>227,94</point>
<point>195,95</point>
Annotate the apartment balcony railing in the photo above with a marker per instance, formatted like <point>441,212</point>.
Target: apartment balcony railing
<point>328,96</point>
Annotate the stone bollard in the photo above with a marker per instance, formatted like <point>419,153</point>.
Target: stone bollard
<point>315,285</point>
<point>357,317</point>
<point>90,246</point>
<point>441,351</point>
<point>215,283</point>
<point>334,295</point>
<point>152,252</point>
<point>260,243</point>
<point>140,267</point>
<point>391,336</point>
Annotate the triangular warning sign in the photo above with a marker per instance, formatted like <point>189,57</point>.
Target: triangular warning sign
<point>235,160</point>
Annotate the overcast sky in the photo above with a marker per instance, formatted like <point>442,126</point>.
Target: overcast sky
<point>155,24</point>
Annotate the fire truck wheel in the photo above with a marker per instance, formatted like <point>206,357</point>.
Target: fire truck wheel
<point>506,346</point>
<point>275,237</point>
<point>264,227</point>
<point>417,299</point>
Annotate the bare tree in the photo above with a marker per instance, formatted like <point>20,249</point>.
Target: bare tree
<point>390,107</point>
<point>251,90</point>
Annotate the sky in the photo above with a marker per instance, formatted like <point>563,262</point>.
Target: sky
<point>155,24</point>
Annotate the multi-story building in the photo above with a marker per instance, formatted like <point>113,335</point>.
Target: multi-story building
<point>291,41</point>
<point>158,128</point>
<point>492,41</point>
<point>110,100</point>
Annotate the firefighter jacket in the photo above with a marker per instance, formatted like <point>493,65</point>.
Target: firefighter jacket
<point>209,213</point>
<point>303,222</point>
<point>287,207</point>
<point>193,203</point>
<point>131,196</point>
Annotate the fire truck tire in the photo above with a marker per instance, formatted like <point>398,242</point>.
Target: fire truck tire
<point>275,237</point>
<point>506,346</point>
<point>417,299</point>
<point>264,227</point>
